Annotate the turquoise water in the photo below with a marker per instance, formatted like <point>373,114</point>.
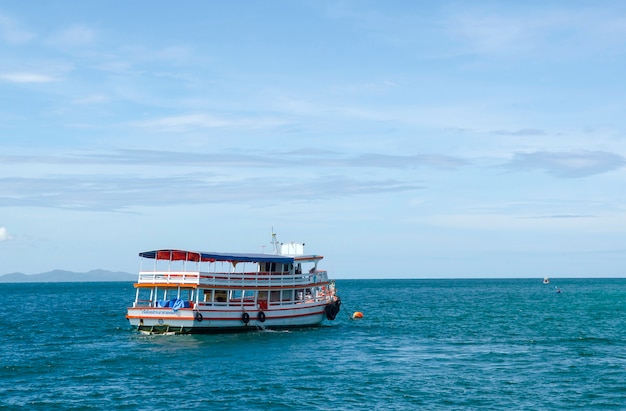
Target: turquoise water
<point>423,344</point>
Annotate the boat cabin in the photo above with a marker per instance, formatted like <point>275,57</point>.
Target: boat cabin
<point>198,283</point>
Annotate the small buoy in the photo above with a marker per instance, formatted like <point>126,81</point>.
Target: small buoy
<point>357,314</point>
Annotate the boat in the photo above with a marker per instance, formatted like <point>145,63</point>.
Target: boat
<point>192,292</point>
<point>546,280</point>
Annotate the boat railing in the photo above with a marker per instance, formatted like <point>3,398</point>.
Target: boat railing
<point>143,303</point>
<point>168,277</point>
<point>215,279</point>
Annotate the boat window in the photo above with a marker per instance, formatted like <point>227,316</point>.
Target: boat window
<point>220,296</point>
<point>236,294</point>
<point>186,294</point>
<point>267,267</point>
<point>278,267</point>
<point>166,293</point>
<point>208,295</point>
<point>144,296</point>
<point>287,295</point>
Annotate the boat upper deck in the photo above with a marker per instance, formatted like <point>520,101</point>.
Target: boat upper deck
<point>230,270</point>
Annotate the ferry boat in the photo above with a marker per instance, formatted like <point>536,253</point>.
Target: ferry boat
<point>186,292</point>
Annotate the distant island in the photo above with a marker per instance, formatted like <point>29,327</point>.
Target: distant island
<point>61,276</point>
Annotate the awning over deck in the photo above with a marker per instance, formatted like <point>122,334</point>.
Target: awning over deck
<point>202,256</point>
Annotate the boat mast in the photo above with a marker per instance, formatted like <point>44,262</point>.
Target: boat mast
<point>275,242</point>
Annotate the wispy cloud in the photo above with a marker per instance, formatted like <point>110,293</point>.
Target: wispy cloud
<point>204,178</point>
<point>312,158</point>
<point>4,234</point>
<point>73,36</point>
<point>110,193</point>
<point>93,99</point>
<point>206,121</point>
<point>12,33</point>
<point>520,132</point>
<point>562,216</point>
<point>488,33</point>
<point>568,164</point>
<point>549,31</point>
<point>404,161</point>
<point>26,77</point>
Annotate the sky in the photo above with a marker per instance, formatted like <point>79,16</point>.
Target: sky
<point>445,139</point>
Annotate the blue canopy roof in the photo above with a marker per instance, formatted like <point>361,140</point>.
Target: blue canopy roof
<point>211,256</point>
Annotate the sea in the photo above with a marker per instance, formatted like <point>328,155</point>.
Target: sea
<point>455,344</point>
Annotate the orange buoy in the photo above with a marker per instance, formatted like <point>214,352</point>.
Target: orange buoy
<point>357,314</point>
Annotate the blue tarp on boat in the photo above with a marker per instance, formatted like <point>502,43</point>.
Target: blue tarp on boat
<point>175,304</point>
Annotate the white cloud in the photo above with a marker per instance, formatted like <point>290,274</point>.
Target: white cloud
<point>184,122</point>
<point>568,164</point>
<point>546,31</point>
<point>73,36</point>
<point>92,99</point>
<point>4,234</point>
<point>488,34</point>
<point>11,33</point>
<point>113,193</point>
<point>205,121</point>
<point>25,77</point>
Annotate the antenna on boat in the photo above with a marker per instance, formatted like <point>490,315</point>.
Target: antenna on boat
<point>275,242</point>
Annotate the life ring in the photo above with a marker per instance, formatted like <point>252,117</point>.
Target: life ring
<point>261,316</point>
<point>198,316</point>
<point>245,317</point>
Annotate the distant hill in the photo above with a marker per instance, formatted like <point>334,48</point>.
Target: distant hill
<point>60,276</point>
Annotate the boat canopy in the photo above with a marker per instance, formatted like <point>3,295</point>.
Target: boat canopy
<point>202,256</point>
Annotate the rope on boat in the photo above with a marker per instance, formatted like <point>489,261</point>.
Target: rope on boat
<point>347,311</point>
